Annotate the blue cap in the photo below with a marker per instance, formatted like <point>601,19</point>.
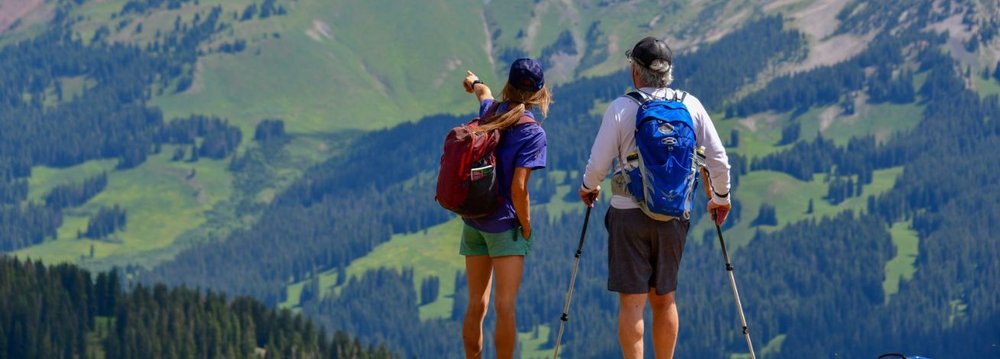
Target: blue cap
<point>526,74</point>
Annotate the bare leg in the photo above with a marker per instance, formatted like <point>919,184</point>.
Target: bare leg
<point>665,324</point>
<point>508,276</point>
<point>630,324</point>
<point>479,270</point>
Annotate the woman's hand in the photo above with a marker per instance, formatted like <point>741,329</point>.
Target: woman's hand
<point>526,232</point>
<point>469,79</point>
<point>482,91</point>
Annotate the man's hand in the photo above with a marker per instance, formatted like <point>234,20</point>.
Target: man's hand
<point>589,196</point>
<point>719,212</point>
<point>469,78</point>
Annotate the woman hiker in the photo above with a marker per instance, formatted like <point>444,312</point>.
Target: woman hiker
<point>495,245</point>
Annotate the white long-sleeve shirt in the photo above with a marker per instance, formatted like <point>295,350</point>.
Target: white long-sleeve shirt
<point>616,139</point>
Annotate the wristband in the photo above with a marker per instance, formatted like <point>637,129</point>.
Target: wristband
<point>721,195</point>
<point>477,81</point>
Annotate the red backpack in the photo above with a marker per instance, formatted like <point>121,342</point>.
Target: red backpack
<point>467,183</point>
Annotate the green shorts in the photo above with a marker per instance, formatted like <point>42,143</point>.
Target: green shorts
<point>509,243</point>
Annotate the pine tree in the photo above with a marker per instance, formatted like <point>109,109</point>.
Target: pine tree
<point>341,274</point>
<point>429,289</point>
<point>3,342</point>
<point>178,154</point>
<point>766,216</point>
<point>112,291</point>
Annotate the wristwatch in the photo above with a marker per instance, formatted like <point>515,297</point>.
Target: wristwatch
<point>477,81</point>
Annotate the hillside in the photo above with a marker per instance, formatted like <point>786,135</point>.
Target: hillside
<point>240,72</point>
<point>248,147</point>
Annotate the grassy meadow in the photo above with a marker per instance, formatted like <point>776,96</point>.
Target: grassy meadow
<point>163,199</point>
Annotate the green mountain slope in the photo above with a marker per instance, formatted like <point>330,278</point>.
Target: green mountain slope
<point>323,66</point>
<point>327,67</point>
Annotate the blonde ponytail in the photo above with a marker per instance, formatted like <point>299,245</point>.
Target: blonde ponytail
<point>518,101</point>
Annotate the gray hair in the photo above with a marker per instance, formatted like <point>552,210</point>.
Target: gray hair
<point>655,75</point>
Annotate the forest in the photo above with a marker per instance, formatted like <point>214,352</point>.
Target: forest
<point>66,312</point>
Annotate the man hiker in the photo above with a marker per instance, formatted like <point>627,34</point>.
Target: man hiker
<point>644,253</point>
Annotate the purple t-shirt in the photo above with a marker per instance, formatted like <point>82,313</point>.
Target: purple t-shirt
<point>521,145</point>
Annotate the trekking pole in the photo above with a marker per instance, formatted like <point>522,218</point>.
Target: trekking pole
<point>572,280</point>
<point>725,255</point>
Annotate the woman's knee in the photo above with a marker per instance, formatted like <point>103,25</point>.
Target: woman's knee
<point>504,306</point>
<point>476,309</point>
<point>473,343</point>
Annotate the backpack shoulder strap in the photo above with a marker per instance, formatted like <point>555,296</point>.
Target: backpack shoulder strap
<point>679,96</point>
<point>490,112</point>
<point>637,96</point>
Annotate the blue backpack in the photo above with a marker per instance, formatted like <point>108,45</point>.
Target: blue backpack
<point>661,176</point>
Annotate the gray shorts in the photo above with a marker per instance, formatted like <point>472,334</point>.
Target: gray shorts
<point>643,253</point>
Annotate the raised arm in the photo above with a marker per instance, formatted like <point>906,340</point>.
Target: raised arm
<point>472,84</point>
